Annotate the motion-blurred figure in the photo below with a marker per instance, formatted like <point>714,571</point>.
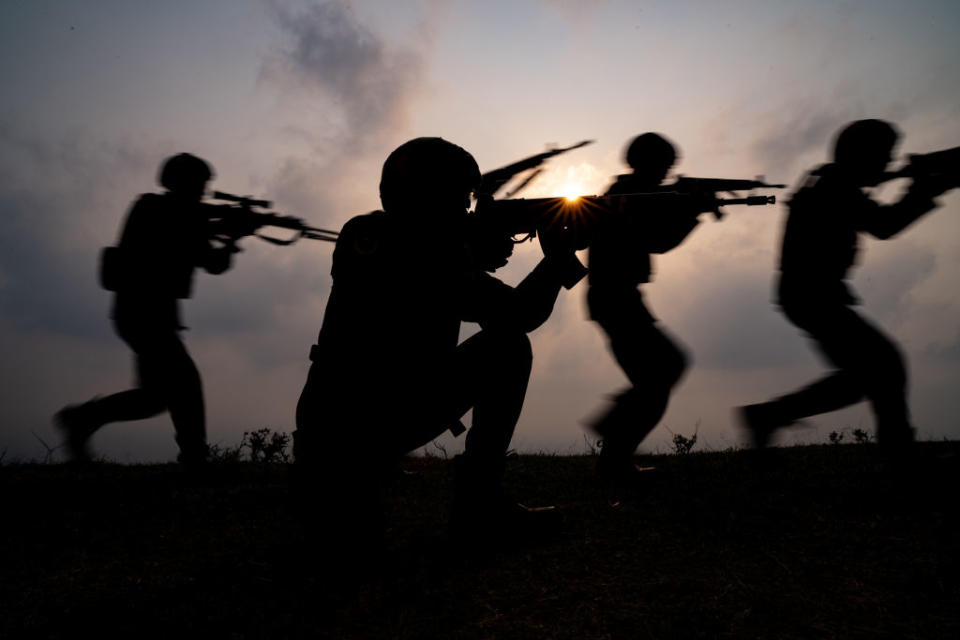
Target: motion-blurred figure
<point>619,262</point>
<point>819,249</point>
<point>165,237</point>
<point>388,375</point>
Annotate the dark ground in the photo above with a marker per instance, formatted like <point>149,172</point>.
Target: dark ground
<point>823,545</point>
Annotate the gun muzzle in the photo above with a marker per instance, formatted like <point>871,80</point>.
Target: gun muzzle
<point>750,201</point>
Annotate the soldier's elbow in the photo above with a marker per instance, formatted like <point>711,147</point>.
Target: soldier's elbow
<point>882,233</point>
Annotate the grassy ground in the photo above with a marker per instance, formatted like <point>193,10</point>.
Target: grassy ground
<point>822,544</point>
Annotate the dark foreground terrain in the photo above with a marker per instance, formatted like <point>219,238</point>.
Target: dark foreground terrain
<point>823,544</point>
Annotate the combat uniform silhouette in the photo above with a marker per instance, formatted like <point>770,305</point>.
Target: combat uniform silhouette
<point>620,262</point>
<point>164,239</point>
<point>819,249</point>
<point>388,375</point>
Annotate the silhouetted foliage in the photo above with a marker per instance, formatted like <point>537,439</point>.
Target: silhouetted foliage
<point>266,446</point>
<point>261,446</point>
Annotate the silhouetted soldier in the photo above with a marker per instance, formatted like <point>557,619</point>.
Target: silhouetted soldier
<point>819,249</point>
<point>620,262</point>
<point>164,238</point>
<point>388,375</point>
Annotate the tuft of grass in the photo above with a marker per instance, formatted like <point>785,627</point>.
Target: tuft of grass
<point>262,446</point>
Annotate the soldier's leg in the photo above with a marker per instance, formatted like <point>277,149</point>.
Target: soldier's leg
<point>489,373</point>
<point>183,392</point>
<point>124,406</point>
<point>494,368</point>
<point>833,330</point>
<point>881,371</point>
<point>338,473</point>
<point>651,360</point>
<point>868,366</point>
<point>79,422</point>
<point>654,364</point>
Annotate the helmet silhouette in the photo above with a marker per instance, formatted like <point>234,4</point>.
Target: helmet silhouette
<point>425,167</point>
<point>184,173</point>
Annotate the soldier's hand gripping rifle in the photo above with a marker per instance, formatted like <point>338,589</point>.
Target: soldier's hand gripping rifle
<point>940,166</point>
<point>240,218</point>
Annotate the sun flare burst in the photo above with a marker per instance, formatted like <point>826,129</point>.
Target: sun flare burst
<point>571,191</point>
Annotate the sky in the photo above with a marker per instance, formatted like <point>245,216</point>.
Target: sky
<point>300,103</point>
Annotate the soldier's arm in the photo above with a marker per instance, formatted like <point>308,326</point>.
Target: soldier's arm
<point>216,260</point>
<point>666,230</point>
<point>886,221</point>
<point>657,227</point>
<point>495,305</point>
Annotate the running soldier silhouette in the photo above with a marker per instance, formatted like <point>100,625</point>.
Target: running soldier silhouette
<point>620,262</point>
<point>164,239</point>
<point>820,246</point>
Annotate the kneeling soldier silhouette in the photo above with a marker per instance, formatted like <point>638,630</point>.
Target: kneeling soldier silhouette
<point>388,375</point>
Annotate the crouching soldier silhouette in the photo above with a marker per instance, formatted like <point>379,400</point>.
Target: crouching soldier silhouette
<point>388,375</point>
<point>819,249</point>
<point>620,261</point>
<point>165,237</point>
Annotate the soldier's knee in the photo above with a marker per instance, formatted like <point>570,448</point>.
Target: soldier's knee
<point>888,369</point>
<point>676,365</point>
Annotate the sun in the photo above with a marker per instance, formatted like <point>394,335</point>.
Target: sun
<point>571,191</point>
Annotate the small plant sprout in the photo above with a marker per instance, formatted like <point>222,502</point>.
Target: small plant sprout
<point>682,445</point>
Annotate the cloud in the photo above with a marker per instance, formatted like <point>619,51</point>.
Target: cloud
<point>59,207</point>
<point>796,133</point>
<point>367,81</point>
<point>576,9</point>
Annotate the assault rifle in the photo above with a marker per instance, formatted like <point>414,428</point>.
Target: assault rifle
<point>240,218</point>
<point>522,219</point>
<point>709,187</point>
<point>686,184</point>
<point>528,216</point>
<point>945,163</point>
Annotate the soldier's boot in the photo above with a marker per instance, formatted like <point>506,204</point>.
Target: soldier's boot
<point>760,421</point>
<point>77,422</point>
<point>620,432</point>
<point>194,456</point>
<point>898,449</point>
<point>485,517</point>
